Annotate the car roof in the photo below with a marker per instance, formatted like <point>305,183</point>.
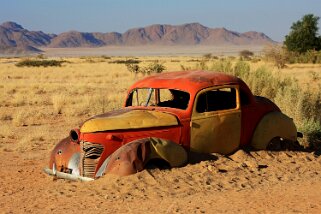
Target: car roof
<point>190,81</point>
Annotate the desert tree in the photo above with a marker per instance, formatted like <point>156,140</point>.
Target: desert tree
<point>304,35</point>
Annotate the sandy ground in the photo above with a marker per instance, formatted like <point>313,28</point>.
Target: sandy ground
<point>256,182</point>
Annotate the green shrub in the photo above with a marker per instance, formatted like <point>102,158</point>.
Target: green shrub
<point>133,68</point>
<point>202,65</point>
<point>127,61</point>
<point>105,57</point>
<point>207,56</point>
<point>280,56</point>
<point>38,63</point>
<point>241,68</point>
<point>186,68</point>
<point>276,54</point>
<point>224,65</point>
<point>246,54</point>
<point>310,56</point>
<point>312,137</point>
<point>154,67</point>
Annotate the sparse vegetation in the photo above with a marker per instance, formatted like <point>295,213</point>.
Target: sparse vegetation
<point>67,95</point>
<point>280,56</point>
<point>301,45</point>
<point>39,62</point>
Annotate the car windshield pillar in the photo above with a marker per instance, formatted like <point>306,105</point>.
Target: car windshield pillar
<point>150,93</point>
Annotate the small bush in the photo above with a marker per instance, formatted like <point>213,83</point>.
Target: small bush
<point>202,65</point>
<point>38,63</point>
<point>133,68</point>
<point>41,56</point>
<point>207,56</point>
<point>315,76</point>
<point>278,55</point>
<point>127,61</point>
<point>105,57</point>
<point>154,67</point>
<point>186,68</point>
<point>223,65</point>
<point>246,54</point>
<point>255,60</point>
<point>193,60</point>
<point>242,68</point>
<point>312,137</point>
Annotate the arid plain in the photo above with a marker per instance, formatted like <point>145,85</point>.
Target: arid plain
<point>38,107</point>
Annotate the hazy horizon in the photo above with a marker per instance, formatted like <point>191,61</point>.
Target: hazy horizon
<point>274,18</point>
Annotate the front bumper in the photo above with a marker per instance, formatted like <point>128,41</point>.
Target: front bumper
<point>66,175</point>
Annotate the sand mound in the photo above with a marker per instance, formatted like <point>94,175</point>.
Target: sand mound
<point>247,182</point>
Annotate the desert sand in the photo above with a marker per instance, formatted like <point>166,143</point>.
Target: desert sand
<point>255,182</point>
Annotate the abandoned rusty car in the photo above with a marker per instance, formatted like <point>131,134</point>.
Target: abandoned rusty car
<point>166,116</point>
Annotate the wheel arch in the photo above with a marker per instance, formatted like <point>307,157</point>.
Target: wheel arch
<point>273,124</point>
<point>132,157</point>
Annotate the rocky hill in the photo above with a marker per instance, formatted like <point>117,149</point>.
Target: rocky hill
<point>15,39</point>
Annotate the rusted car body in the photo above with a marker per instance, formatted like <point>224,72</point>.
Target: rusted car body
<point>165,116</point>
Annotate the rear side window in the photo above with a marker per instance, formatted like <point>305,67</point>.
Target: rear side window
<point>216,100</point>
<point>173,98</point>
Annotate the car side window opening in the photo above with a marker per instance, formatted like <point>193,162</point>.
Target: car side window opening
<point>171,98</point>
<point>217,99</point>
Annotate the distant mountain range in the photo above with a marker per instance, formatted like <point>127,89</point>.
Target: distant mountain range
<point>14,39</point>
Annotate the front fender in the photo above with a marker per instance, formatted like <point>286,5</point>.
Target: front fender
<point>133,157</point>
<point>65,157</point>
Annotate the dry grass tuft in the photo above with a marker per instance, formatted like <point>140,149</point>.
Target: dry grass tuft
<point>58,102</point>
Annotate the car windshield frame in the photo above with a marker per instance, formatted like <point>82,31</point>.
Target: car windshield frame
<point>179,99</point>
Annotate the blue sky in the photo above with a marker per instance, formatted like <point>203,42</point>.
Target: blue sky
<point>273,17</point>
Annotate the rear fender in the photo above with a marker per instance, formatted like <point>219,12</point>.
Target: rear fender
<point>272,125</point>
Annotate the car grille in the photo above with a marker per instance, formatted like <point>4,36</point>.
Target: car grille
<point>91,153</point>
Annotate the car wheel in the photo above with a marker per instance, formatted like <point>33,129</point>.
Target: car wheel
<point>279,144</point>
<point>275,144</point>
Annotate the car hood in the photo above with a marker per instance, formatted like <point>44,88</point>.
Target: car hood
<point>128,119</point>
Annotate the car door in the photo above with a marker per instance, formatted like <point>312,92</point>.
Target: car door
<point>216,120</point>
